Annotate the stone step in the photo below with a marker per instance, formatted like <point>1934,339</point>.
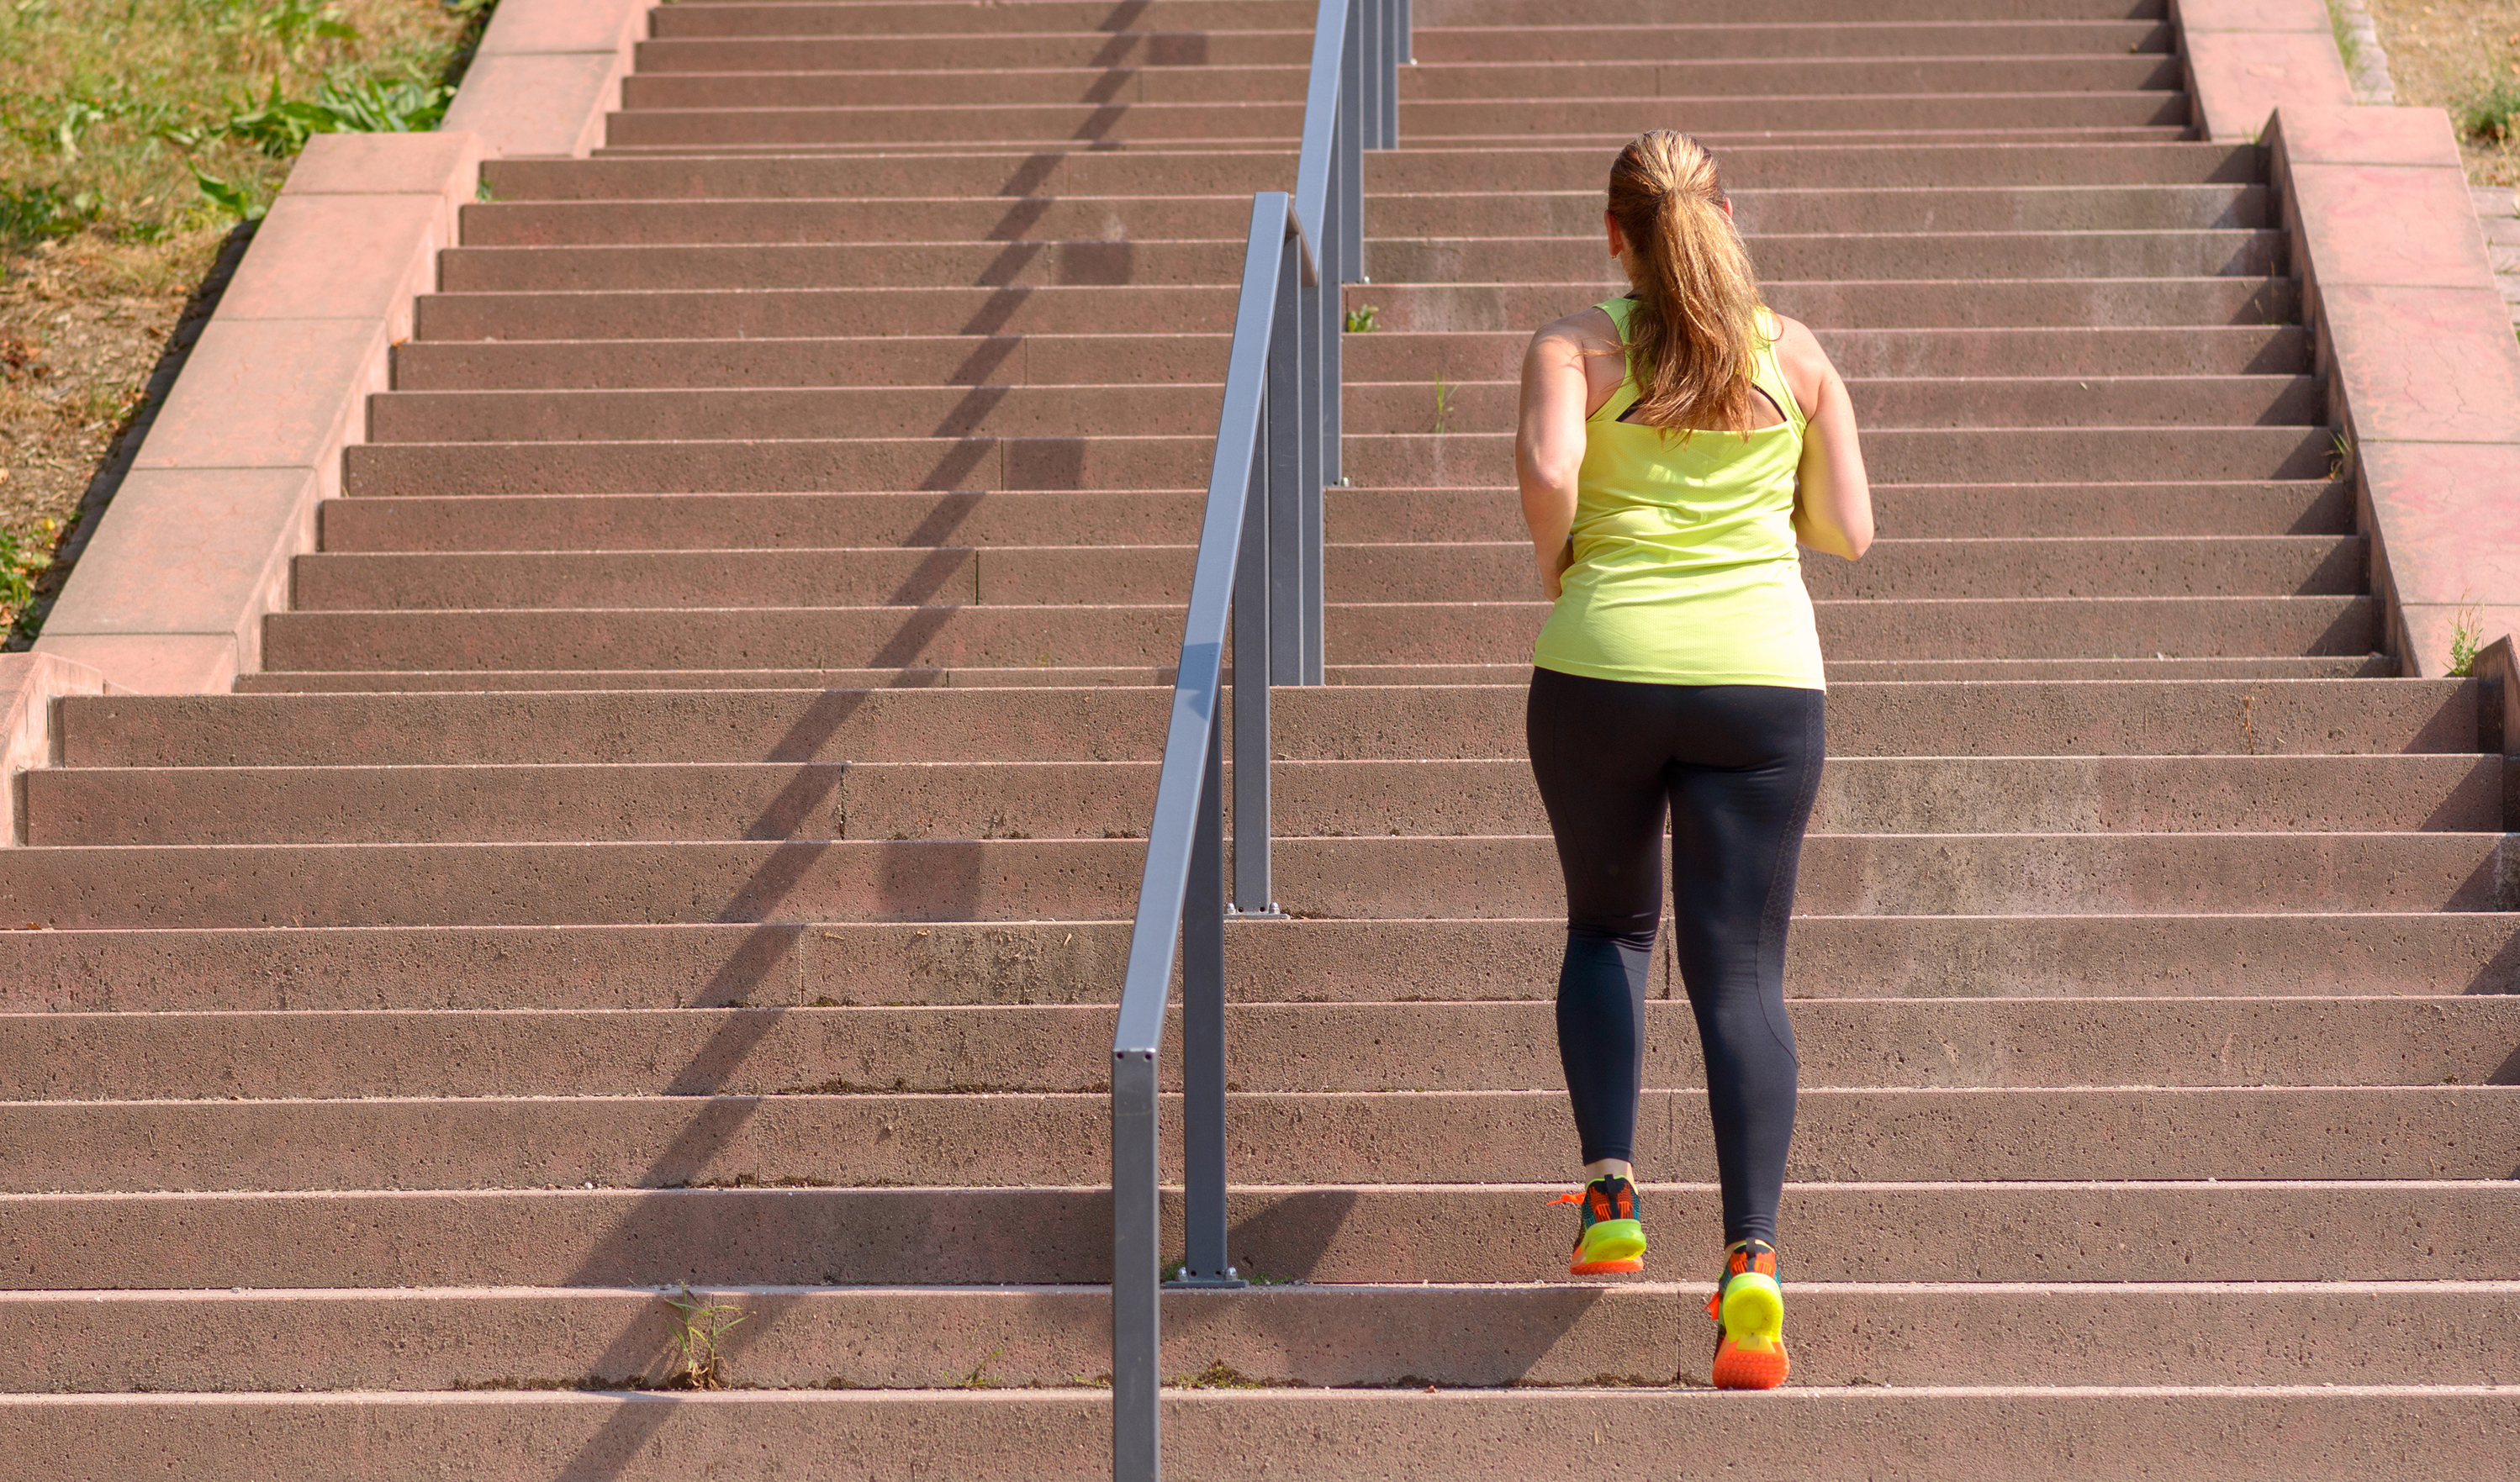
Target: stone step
<point>1631,75</point>
<point>2066,304</point>
<point>1052,79</point>
<point>2247,1229</point>
<point>1870,1334</point>
<point>1849,259</point>
<point>2161,566</point>
<point>1884,406</point>
<point>1487,308</point>
<point>918,723</point>
<point>1855,671</point>
<point>936,217</point>
<point>779,313</point>
<point>993,461</point>
<point>1367,878</point>
<point>1416,170</point>
<point>799,964</point>
<point>1016,1140</point>
<point>1391,633</point>
<point>1984,114</point>
<point>944,17</point>
<point>2297,1433</point>
<point>2085,1434</point>
<point>658,58</point>
<point>1439,404</point>
<point>1021,517</point>
<point>1842,258</point>
<point>1461,1047</point>
<point>685,415</point>
<point>1573,39</point>
<point>1213,262</point>
<point>1540,14</point>
<point>1433,46</point>
<point>1933,455</point>
<point>1029,799</point>
<point>851,82</point>
<point>1600,142</point>
<point>2232,350</point>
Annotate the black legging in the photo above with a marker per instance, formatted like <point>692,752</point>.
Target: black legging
<point>1737,767</point>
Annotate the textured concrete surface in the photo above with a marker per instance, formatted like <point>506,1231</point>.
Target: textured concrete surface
<point>1846,1333</point>
<point>1831,1433</point>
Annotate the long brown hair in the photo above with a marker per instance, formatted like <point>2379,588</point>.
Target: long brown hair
<point>1689,339</point>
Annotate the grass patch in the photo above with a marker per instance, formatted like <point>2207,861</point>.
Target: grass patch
<point>2463,55</point>
<point>2491,116</point>
<point>136,138</point>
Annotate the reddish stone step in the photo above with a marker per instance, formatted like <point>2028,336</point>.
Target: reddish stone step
<point>1871,1333</point>
<point>873,800</point>
<point>2027,1043</point>
<point>806,1139</point>
<point>918,720</point>
<point>2267,565</point>
<point>2291,1434</point>
<point>1021,517</point>
<point>2250,1229</point>
<point>1375,879</point>
<point>804,964</point>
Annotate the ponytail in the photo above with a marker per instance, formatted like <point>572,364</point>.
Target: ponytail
<point>1690,342</point>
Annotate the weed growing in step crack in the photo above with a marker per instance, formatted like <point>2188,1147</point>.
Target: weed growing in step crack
<point>699,1328</point>
<point>2466,627</point>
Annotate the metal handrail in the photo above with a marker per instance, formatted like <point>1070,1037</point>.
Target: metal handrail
<point>1259,567</point>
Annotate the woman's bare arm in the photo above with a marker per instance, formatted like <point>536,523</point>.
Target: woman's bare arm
<point>1560,372</point>
<point>1833,504</point>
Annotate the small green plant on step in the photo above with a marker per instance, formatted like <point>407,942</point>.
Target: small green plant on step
<point>978,1377</point>
<point>2340,456</point>
<point>700,1326</point>
<point>2466,627</point>
<point>1445,395</point>
<point>1360,320</point>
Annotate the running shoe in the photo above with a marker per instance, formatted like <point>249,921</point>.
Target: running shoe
<point>1611,1238</point>
<point>1749,1312</point>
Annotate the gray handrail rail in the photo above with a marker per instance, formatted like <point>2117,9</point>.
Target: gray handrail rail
<point>1260,568</point>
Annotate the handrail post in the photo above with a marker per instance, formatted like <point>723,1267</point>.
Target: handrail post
<point>1320,352</point>
<point>1256,661</point>
<point>1395,51</point>
<point>1350,144</point>
<point>1137,1273</point>
<point>1289,562</point>
<point>1203,1261</point>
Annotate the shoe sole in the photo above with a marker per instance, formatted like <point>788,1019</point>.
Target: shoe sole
<point>1753,1353</point>
<point>1609,1248</point>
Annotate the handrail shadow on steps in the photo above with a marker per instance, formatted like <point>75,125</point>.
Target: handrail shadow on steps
<point>1260,566</point>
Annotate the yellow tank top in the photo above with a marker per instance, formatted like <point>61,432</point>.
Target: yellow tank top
<point>1686,570</point>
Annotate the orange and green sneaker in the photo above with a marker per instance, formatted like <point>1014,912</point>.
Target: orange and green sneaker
<point>1749,1312</point>
<point>1611,1238</point>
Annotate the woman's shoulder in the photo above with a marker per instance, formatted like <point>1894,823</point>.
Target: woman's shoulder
<point>1590,331</point>
<point>1805,364</point>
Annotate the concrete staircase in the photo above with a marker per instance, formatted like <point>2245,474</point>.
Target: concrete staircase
<point>686,832</point>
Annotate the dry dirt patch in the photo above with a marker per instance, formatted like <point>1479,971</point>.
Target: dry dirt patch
<point>2457,55</point>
